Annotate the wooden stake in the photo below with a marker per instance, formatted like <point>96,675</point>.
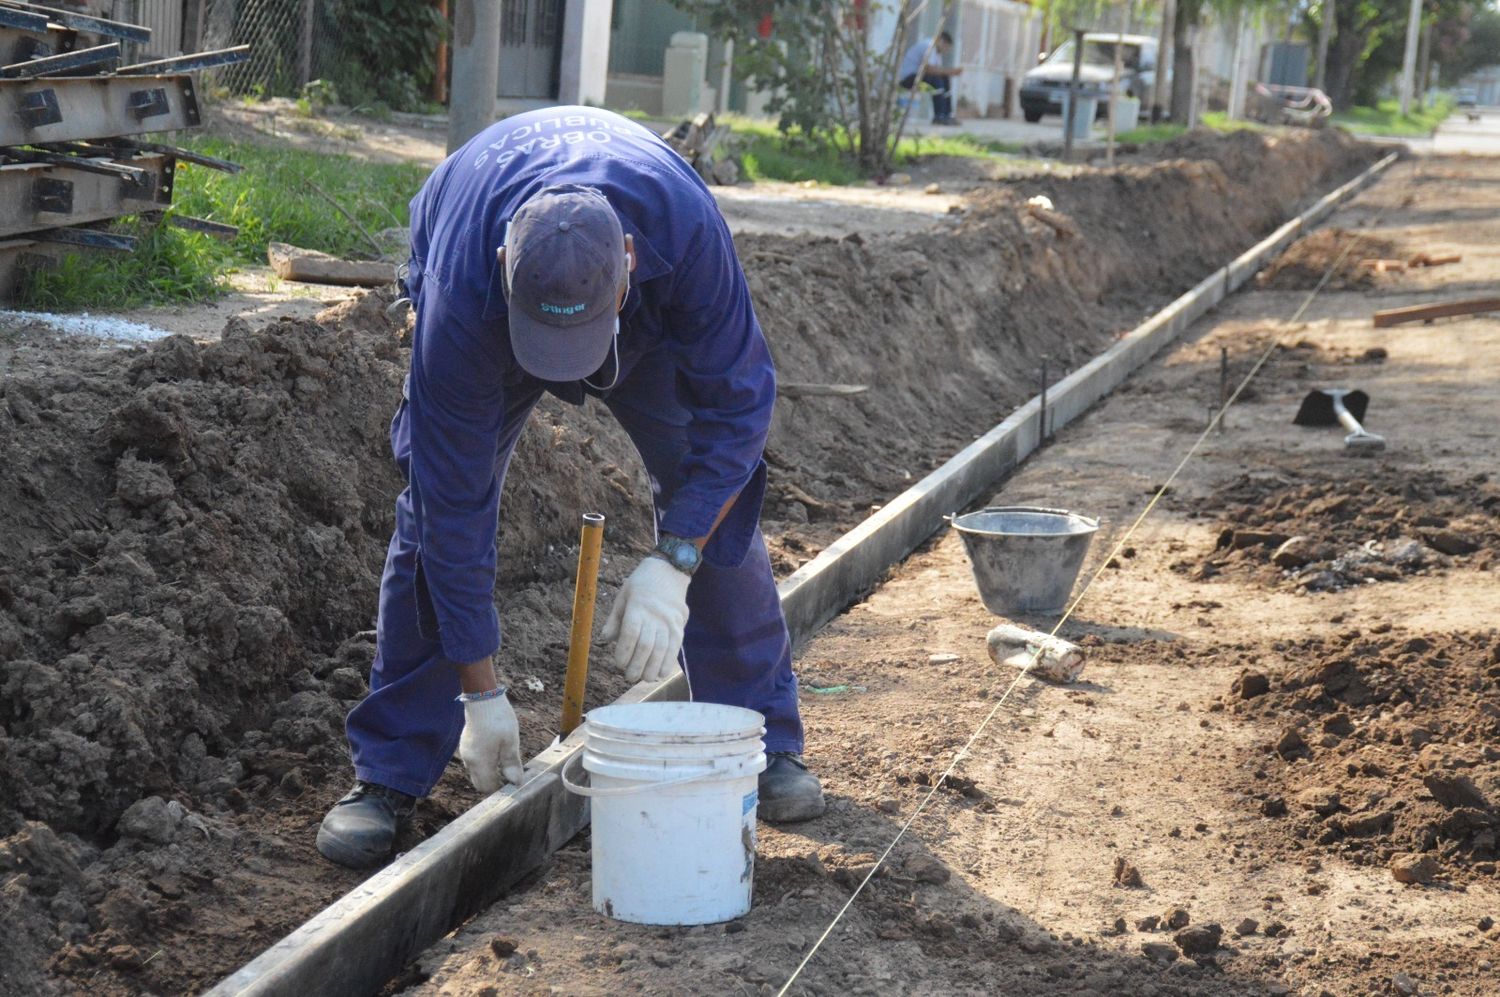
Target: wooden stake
<point>1426,313</point>
<point>584,592</point>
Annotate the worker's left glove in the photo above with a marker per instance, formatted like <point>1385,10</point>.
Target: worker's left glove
<point>490,747</point>
<point>647,621</point>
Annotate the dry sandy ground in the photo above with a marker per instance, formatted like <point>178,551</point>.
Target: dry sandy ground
<point>1006,880</point>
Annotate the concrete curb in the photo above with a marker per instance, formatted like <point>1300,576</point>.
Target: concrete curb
<point>360,942</point>
<point>846,570</point>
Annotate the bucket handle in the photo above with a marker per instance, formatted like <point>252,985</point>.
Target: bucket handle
<point>593,791</point>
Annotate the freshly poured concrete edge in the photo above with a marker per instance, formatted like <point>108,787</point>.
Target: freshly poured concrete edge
<point>843,572</point>
<point>356,945</point>
<point>363,939</point>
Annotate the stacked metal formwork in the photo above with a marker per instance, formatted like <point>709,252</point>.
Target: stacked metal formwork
<point>73,113</point>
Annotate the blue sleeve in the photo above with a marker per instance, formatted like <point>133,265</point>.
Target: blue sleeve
<point>456,411</point>
<point>727,381</point>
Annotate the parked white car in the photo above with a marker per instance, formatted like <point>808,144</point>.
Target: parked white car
<point>1042,88</point>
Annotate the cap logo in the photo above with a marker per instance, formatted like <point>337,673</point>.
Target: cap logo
<point>562,309</point>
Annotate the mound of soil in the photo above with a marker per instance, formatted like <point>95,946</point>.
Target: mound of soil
<point>1387,753</point>
<point>197,531</point>
<point>1305,263</point>
<point>1334,532</point>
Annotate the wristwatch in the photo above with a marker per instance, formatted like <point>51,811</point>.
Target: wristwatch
<point>679,553</point>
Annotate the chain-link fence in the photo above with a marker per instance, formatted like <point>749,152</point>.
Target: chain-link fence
<point>363,51</point>
<point>292,42</point>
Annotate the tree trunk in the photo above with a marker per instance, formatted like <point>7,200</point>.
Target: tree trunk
<point>1184,73</point>
<point>1344,56</point>
<point>1424,63</point>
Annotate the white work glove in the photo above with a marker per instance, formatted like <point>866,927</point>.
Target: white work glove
<point>490,747</point>
<point>647,621</point>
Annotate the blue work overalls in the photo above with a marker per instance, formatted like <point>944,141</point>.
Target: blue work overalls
<point>695,392</point>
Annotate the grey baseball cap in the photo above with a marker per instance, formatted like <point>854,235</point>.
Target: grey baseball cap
<point>564,268</point>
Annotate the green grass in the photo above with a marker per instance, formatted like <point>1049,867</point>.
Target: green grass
<point>271,200</point>
<point>1165,131</point>
<point>1386,118</point>
<point>168,265</point>
<point>275,199</point>
<point>766,154</point>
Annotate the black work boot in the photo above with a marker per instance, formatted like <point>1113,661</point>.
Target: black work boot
<point>360,830</point>
<point>788,792</point>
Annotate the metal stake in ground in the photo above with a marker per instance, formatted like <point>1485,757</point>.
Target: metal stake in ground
<point>1223,385</point>
<point>1072,109</point>
<point>584,592</point>
<point>1041,430</point>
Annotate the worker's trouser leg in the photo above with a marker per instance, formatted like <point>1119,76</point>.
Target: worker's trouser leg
<point>737,649</point>
<point>942,96</point>
<point>404,732</point>
<point>942,93</point>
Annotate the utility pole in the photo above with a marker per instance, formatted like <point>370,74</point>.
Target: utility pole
<point>476,69</point>
<point>1409,61</point>
<point>1162,96</point>
<point>1424,64</point>
<point>1325,32</point>
<point>1072,110</point>
<point>1237,73</point>
<point>1126,16</point>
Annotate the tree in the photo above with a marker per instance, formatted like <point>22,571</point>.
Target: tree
<point>828,81</point>
<point>1466,43</point>
<point>1370,37</point>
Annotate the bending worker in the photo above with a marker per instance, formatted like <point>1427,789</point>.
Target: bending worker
<point>571,251</point>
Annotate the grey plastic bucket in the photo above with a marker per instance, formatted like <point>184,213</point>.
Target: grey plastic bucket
<point>1025,559</point>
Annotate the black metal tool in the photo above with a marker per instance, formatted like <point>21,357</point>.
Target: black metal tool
<point>1340,406</point>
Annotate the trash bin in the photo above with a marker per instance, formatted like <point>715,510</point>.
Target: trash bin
<point>1083,121</point>
<point>1127,113</point>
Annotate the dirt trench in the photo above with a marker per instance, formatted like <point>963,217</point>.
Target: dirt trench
<point>194,534</point>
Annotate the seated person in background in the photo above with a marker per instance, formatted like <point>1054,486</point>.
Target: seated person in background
<point>913,69</point>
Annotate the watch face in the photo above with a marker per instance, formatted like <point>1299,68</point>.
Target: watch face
<point>682,553</point>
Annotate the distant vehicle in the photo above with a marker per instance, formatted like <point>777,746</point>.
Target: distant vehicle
<point>1468,97</point>
<point>1042,88</point>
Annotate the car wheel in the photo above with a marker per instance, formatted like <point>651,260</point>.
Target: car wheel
<point>1032,116</point>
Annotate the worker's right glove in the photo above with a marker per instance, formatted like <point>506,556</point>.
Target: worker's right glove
<point>490,747</point>
<point>647,621</point>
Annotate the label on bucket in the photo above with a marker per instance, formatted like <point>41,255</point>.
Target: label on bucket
<point>748,804</point>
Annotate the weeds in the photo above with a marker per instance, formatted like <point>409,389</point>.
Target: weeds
<point>168,265</point>
<point>1165,131</point>
<point>1386,118</point>
<point>272,200</point>
<point>767,154</point>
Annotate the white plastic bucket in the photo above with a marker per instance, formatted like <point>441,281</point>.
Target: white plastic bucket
<point>673,796</point>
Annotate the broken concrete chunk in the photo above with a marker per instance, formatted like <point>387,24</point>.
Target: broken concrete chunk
<point>1049,658</point>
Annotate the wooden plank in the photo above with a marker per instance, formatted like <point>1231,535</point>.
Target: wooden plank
<point>1426,313</point>
<point>312,267</point>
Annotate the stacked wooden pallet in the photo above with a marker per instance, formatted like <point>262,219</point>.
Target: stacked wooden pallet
<point>73,115</point>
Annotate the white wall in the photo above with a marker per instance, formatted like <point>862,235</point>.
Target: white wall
<point>585,52</point>
<point>992,39</point>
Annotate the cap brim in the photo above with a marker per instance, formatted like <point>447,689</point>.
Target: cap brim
<point>552,353</point>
